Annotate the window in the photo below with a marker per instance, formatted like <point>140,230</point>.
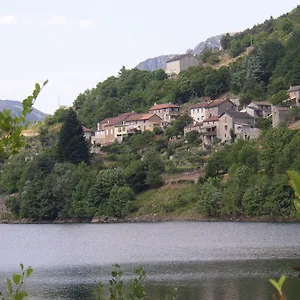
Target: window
<point>119,129</point>
<point>124,128</point>
<point>111,131</point>
<point>225,127</point>
<point>198,110</point>
<point>225,119</point>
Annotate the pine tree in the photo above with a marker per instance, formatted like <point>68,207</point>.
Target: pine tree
<point>72,146</point>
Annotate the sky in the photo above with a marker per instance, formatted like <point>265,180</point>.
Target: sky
<point>77,43</point>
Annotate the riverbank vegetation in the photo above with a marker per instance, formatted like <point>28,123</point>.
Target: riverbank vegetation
<point>55,177</point>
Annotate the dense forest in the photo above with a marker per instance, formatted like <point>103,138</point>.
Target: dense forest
<point>55,176</point>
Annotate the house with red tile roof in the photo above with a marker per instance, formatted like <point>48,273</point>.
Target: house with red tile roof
<point>168,112</point>
<point>203,110</point>
<point>142,122</point>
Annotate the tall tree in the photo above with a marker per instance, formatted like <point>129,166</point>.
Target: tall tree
<point>72,146</point>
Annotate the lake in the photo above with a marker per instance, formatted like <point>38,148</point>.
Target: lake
<point>203,260</point>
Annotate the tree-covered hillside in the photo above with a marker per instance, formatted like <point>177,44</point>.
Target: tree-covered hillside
<point>262,73</point>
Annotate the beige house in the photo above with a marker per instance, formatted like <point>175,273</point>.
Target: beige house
<point>167,112</point>
<point>210,130</point>
<point>230,120</point>
<point>105,133</point>
<point>201,111</point>
<point>279,115</point>
<point>180,63</point>
<point>294,94</point>
<point>259,109</point>
<point>142,122</point>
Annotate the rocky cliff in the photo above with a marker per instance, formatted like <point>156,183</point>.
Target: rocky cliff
<point>159,62</point>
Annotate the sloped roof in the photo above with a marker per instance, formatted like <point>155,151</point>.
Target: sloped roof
<point>261,102</point>
<point>179,57</point>
<point>116,120</point>
<point>216,103</point>
<point>238,114</point>
<point>211,119</point>
<point>209,104</point>
<point>294,88</point>
<point>85,129</point>
<point>162,106</point>
<point>140,117</point>
<point>199,105</point>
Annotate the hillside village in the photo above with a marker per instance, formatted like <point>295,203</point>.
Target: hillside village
<point>217,121</point>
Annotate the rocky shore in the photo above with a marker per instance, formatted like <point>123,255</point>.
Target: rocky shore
<point>7,219</point>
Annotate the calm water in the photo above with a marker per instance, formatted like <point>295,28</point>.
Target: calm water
<point>203,260</point>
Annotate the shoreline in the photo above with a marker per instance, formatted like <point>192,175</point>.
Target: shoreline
<point>152,219</point>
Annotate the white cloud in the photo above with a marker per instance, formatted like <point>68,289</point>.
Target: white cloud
<point>8,20</point>
<point>85,23</point>
<point>58,20</point>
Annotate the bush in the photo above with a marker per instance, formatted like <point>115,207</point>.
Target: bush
<point>120,202</point>
<point>210,197</point>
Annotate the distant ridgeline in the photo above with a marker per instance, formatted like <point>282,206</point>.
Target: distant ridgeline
<point>16,107</point>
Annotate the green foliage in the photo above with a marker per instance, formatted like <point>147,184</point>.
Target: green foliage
<point>226,41</point>
<point>72,146</point>
<point>11,127</point>
<point>295,184</point>
<point>105,181</point>
<point>210,197</point>
<point>120,201</point>
<point>177,128</point>
<point>278,285</point>
<point>210,56</point>
<point>192,136</point>
<point>15,284</point>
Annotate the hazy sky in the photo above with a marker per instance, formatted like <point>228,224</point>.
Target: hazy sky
<point>77,43</point>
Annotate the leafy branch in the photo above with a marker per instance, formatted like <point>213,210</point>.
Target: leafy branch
<point>11,126</point>
<point>15,284</point>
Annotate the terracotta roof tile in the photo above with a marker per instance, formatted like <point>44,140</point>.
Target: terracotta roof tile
<point>211,119</point>
<point>140,117</point>
<point>162,106</point>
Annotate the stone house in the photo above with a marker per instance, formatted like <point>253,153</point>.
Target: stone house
<point>167,112</point>
<point>230,120</point>
<point>279,115</point>
<point>294,94</point>
<point>201,111</point>
<point>142,122</point>
<point>180,63</point>
<point>210,130</point>
<point>259,109</point>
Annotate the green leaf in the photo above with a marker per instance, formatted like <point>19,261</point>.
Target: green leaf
<point>275,284</point>
<point>20,296</point>
<point>45,82</point>
<point>9,286</point>
<point>281,281</point>
<point>16,278</point>
<point>29,271</point>
<point>22,266</point>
